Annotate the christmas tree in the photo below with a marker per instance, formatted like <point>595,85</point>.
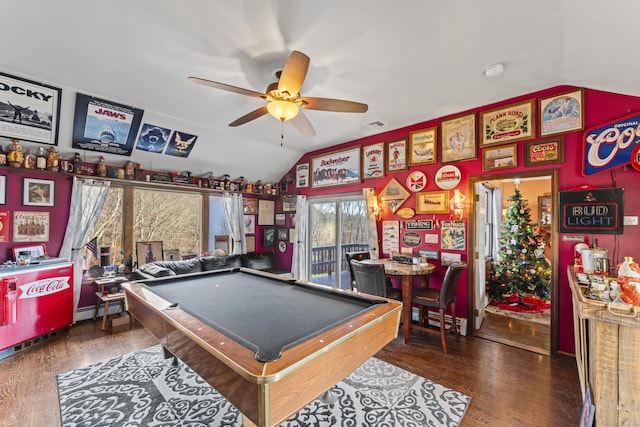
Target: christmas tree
<point>521,267</point>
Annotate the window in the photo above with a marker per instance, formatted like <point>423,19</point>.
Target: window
<point>109,231</point>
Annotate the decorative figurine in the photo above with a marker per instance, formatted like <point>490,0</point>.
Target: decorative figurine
<point>102,168</point>
<point>29,160</point>
<point>77,164</point>
<point>15,157</point>
<point>53,160</point>
<point>128,170</point>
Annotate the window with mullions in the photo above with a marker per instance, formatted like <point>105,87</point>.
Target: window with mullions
<point>108,231</point>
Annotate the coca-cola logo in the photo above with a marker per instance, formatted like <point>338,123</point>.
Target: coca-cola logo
<point>610,145</point>
<point>44,287</point>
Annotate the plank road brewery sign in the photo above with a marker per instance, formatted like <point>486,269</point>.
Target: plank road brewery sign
<point>595,211</point>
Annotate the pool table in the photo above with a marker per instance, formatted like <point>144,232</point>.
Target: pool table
<point>268,343</point>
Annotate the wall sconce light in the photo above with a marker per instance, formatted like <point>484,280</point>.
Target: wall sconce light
<point>457,204</point>
<point>375,208</point>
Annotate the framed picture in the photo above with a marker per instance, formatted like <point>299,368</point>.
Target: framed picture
<point>292,220</point>
<point>283,234</point>
<point>544,211</point>
<point>249,206</point>
<point>562,113</point>
<point>336,168</point>
<point>393,195</point>
<point>249,224</point>
<point>432,202</point>
<point>397,155</point>
<point>422,146</point>
<point>266,212</point>
<point>502,157</point>
<point>507,124</point>
<point>30,226</point>
<point>268,237</point>
<point>302,175</point>
<point>251,243</point>
<point>373,161</point>
<point>38,192</point>
<point>458,139</point>
<point>3,189</point>
<point>447,258</point>
<point>544,152</point>
<point>281,219</point>
<point>452,235</point>
<point>32,110</point>
<point>172,254</point>
<point>289,202</point>
<point>147,252</point>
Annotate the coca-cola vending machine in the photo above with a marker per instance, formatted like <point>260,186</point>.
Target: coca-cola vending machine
<point>35,300</point>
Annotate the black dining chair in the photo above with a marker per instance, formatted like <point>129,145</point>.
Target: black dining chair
<point>358,256</point>
<point>442,298</point>
<point>370,279</point>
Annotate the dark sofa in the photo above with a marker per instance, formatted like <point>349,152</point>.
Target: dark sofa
<point>263,261</point>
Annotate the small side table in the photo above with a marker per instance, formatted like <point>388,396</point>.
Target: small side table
<point>107,299</point>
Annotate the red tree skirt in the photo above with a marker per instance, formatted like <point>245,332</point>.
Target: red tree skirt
<point>532,304</point>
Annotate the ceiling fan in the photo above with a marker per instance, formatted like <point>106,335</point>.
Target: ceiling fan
<point>283,97</point>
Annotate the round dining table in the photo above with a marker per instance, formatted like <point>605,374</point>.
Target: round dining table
<point>406,272</point>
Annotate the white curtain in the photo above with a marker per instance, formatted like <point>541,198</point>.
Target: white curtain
<point>300,261</point>
<point>87,199</point>
<point>235,220</point>
<point>497,221</point>
<point>374,249</point>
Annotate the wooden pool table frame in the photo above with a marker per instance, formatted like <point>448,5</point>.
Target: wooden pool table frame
<point>266,393</point>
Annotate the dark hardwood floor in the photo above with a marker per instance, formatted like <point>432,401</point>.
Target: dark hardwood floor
<point>508,386</point>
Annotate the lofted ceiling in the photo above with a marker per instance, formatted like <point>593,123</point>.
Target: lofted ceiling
<point>410,61</point>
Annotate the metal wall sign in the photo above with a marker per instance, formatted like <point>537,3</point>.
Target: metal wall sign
<point>595,211</point>
<point>421,224</point>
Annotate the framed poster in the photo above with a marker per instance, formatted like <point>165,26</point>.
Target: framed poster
<point>373,161</point>
<point>38,192</point>
<point>268,237</point>
<point>393,195</point>
<point>508,124</point>
<point>30,226</point>
<point>3,189</point>
<point>281,219</point>
<point>283,234</point>
<point>458,139</point>
<point>544,152</point>
<point>502,157</point>
<point>31,110</point>
<point>452,235</point>
<point>422,146</point>
<point>432,202</point>
<point>172,254</point>
<point>147,252</point>
<point>180,144</point>
<point>251,243</point>
<point>153,138</point>
<point>397,155</point>
<point>266,212</point>
<point>390,236</point>
<point>249,224</point>
<point>302,175</point>
<point>562,113</point>
<point>289,202</point>
<point>105,126</point>
<point>249,206</point>
<point>336,168</point>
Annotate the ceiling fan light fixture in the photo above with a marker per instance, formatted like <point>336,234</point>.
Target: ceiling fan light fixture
<point>282,110</point>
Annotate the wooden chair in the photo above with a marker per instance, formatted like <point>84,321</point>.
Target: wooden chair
<point>370,279</point>
<point>358,256</point>
<point>440,299</point>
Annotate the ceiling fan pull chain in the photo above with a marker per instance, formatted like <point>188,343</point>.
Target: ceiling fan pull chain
<point>281,133</point>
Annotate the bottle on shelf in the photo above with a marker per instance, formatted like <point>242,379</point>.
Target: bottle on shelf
<point>41,159</point>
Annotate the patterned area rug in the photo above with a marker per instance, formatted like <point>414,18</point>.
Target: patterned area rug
<point>143,389</point>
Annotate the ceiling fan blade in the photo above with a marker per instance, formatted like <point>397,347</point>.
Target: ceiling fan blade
<point>293,73</point>
<point>339,105</point>
<point>248,117</point>
<point>229,88</point>
<point>302,123</point>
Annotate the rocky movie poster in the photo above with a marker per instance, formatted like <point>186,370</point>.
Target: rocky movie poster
<point>105,126</point>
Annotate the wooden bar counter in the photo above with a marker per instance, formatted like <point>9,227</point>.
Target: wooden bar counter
<point>608,355</point>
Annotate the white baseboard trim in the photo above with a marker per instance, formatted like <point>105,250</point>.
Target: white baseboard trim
<point>434,320</point>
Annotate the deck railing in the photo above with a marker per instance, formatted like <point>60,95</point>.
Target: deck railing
<point>323,258</point>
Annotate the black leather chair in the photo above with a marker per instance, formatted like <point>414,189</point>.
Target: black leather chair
<point>370,279</point>
<point>358,256</point>
<point>427,298</point>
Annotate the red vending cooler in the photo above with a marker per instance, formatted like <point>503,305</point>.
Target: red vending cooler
<point>34,300</point>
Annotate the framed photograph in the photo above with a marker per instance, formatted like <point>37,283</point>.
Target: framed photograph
<point>447,258</point>
<point>283,234</point>
<point>508,124</point>
<point>544,211</point>
<point>432,202</point>
<point>249,224</point>
<point>172,254</point>
<point>422,146</point>
<point>251,243</point>
<point>3,189</point>
<point>30,226</point>
<point>397,155</point>
<point>458,139</point>
<point>502,157</point>
<point>302,175</point>
<point>281,219</point>
<point>38,192</point>
<point>266,212</point>
<point>452,235</point>
<point>147,252</point>
<point>337,168</point>
<point>544,152</point>
<point>373,161</point>
<point>31,110</point>
<point>249,206</point>
<point>393,195</point>
<point>562,113</point>
<point>268,237</point>
<point>289,202</point>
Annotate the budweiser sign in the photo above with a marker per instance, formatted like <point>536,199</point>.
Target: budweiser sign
<point>610,145</point>
<point>44,287</point>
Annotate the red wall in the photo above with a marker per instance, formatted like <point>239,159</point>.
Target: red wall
<point>600,107</point>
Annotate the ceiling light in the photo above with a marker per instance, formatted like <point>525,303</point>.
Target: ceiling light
<point>494,70</point>
<point>282,110</point>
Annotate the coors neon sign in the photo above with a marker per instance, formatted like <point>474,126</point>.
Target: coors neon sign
<point>611,145</point>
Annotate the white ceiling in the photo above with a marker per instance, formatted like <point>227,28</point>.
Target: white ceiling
<point>410,61</point>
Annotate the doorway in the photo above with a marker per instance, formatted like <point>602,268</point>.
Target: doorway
<point>533,332</point>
